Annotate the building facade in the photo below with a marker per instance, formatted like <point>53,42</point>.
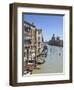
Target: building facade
<point>33,43</point>
<point>39,41</point>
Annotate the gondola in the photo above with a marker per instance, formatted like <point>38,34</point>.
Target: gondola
<point>42,55</point>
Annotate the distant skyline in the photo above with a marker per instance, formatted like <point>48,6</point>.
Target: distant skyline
<point>50,24</point>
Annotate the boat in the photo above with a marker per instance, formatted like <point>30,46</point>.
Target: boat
<point>40,61</point>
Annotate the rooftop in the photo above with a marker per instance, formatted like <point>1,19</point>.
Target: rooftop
<point>31,24</point>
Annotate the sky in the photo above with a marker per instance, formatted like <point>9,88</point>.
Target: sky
<point>50,24</point>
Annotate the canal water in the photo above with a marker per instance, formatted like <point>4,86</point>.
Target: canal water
<point>53,61</point>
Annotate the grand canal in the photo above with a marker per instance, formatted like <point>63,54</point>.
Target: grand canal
<point>53,61</point>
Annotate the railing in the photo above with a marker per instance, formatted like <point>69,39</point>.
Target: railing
<point>27,33</point>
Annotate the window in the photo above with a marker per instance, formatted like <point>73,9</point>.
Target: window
<point>28,41</point>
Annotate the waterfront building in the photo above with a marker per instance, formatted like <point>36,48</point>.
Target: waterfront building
<point>56,41</point>
<point>33,43</point>
<point>39,41</point>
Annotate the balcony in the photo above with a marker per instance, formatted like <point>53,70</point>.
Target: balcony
<point>27,38</point>
<point>27,33</point>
